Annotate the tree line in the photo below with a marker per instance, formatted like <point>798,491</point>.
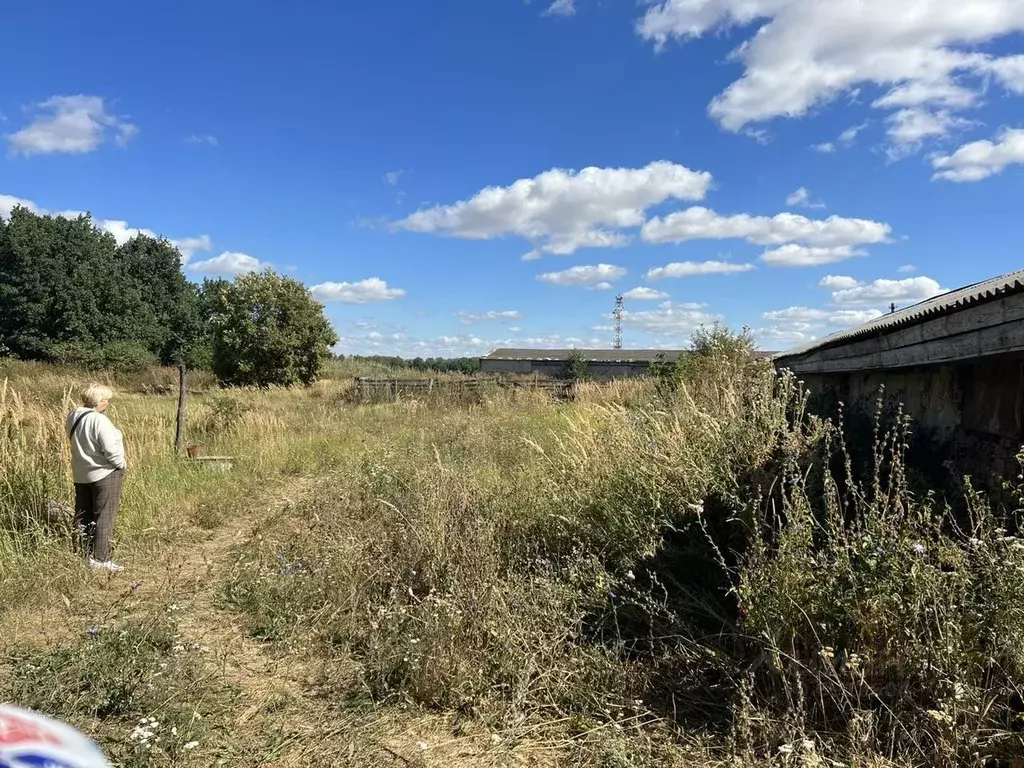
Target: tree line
<point>69,293</point>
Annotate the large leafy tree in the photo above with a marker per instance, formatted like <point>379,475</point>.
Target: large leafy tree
<point>267,330</point>
<point>171,322</point>
<point>70,293</point>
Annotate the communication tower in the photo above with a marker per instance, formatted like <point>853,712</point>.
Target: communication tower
<point>618,322</point>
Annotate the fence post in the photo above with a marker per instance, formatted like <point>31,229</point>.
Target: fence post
<point>179,433</point>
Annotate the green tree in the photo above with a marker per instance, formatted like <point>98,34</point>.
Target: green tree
<point>267,330</point>
<point>575,368</point>
<point>70,294</point>
<point>170,323</point>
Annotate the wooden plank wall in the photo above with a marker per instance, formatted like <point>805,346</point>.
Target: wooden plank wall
<point>992,328</point>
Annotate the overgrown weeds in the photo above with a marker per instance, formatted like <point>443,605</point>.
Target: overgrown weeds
<point>645,569</point>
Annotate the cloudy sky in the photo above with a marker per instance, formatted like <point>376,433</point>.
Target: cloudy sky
<point>453,175</point>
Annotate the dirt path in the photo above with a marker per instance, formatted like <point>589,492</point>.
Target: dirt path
<point>284,709</point>
<point>283,716</point>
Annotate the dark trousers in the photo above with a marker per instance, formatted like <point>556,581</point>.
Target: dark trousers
<point>95,512</point>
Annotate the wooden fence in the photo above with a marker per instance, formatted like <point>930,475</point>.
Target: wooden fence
<point>371,390</point>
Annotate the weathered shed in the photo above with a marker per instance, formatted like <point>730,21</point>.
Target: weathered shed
<point>601,363</point>
<point>956,361</point>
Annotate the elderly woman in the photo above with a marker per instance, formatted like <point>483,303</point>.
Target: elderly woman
<point>98,466</point>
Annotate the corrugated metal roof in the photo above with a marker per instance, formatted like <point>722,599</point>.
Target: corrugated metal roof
<point>937,305</point>
<point>591,355</point>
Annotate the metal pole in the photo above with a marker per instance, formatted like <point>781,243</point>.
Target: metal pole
<point>179,434</point>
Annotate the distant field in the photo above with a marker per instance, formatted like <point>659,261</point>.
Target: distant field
<point>649,575</point>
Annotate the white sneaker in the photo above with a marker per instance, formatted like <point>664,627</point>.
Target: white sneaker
<point>105,565</point>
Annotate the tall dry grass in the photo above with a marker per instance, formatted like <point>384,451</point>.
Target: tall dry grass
<point>625,576</point>
<point>700,558</point>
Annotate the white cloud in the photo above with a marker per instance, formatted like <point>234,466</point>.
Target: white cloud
<point>393,177</point>
<point>9,202</point>
<point>69,124</point>
<point>228,264</point>
<point>826,148</point>
<point>802,197</point>
<point>907,291</point>
<point>908,128</point>
<point>702,223</point>
<point>838,282</point>
<point>808,256</point>
<point>597,277</point>
<point>670,319</point>
<point>778,337</point>
<point>119,229</point>
<point>362,292</point>
<point>797,325</point>
<point>561,8</point>
<point>907,268</point>
<point>188,246</point>
<point>643,293</point>
<point>839,318</point>
<point>849,136</point>
<point>981,159</point>
<point>1009,71</point>
<point>560,211</point>
<point>514,329</point>
<point>202,139</point>
<point>800,54</point>
<point>468,318</point>
<point>690,268</point>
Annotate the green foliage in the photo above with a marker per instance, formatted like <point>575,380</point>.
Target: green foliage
<point>467,365</point>
<point>224,415</point>
<point>870,612</point>
<point>575,368</point>
<point>66,286</point>
<point>117,356</point>
<point>267,331</point>
<point>714,351</point>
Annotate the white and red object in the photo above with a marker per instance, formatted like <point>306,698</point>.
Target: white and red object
<point>30,740</point>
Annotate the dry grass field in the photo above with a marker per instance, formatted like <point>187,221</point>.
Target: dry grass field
<point>639,577</point>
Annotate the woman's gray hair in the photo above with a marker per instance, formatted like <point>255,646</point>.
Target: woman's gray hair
<point>95,394</point>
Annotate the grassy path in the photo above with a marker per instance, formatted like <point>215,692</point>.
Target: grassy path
<point>267,706</point>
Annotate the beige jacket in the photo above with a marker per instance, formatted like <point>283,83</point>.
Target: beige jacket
<point>97,447</point>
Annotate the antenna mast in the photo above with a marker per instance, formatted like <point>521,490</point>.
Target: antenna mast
<point>618,322</point>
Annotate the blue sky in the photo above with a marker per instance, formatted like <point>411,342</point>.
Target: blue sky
<point>456,175</point>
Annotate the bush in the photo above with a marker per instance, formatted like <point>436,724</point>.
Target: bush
<point>873,614</point>
<point>224,415</point>
<point>118,356</point>
<point>575,368</point>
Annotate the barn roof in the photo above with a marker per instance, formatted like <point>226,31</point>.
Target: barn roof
<point>591,355</point>
<point>945,303</point>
